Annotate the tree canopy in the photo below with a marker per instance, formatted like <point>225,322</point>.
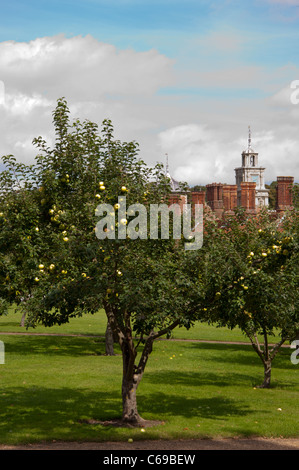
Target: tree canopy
<point>144,284</point>
<point>251,278</point>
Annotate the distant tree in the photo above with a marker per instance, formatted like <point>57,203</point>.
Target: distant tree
<point>19,233</point>
<point>296,195</point>
<point>272,194</point>
<point>251,273</point>
<point>198,187</point>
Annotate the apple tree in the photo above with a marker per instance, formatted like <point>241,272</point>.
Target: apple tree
<point>99,251</point>
<point>251,273</point>
<point>19,235</point>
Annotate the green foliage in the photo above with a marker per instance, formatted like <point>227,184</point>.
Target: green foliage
<point>65,269</point>
<point>253,272</point>
<point>79,272</point>
<point>296,195</point>
<point>272,194</point>
<point>251,276</point>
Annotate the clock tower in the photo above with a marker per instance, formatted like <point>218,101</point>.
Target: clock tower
<point>251,172</point>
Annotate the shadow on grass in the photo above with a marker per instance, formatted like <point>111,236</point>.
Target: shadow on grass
<point>10,324</point>
<point>39,413</point>
<point>216,407</point>
<point>202,378</point>
<point>55,345</point>
<point>242,354</point>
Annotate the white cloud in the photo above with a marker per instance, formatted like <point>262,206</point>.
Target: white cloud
<point>21,104</point>
<point>204,136</point>
<point>201,155</point>
<point>197,154</point>
<point>81,67</point>
<point>97,79</point>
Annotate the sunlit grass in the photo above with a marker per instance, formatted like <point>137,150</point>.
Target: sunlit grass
<point>50,385</point>
<point>95,325</point>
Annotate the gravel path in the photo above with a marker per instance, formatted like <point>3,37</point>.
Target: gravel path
<point>175,445</point>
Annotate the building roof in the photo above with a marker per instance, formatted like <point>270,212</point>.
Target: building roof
<point>175,185</point>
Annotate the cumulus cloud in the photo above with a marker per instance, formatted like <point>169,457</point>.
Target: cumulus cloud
<point>201,155</point>
<point>204,136</point>
<point>198,154</point>
<point>82,66</point>
<point>97,79</point>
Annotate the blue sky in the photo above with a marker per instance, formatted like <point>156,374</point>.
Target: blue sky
<point>206,68</point>
<point>164,24</point>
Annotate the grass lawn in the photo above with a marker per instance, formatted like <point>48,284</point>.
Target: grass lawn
<point>96,325</point>
<point>51,384</point>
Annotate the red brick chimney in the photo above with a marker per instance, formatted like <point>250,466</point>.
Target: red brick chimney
<point>284,199</point>
<point>230,197</point>
<point>215,196</point>
<point>198,197</point>
<point>179,199</point>
<point>248,195</point>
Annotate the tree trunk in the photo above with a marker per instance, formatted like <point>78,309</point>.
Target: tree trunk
<point>130,382</point>
<point>267,374</point>
<point>129,400</point>
<point>23,319</point>
<point>109,341</point>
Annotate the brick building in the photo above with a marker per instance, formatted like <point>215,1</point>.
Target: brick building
<point>248,192</point>
<point>250,171</point>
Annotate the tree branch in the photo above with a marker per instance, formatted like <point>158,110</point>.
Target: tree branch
<point>255,344</point>
<point>165,330</point>
<point>276,348</point>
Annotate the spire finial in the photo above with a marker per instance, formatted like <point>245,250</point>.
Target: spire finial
<point>249,139</point>
<point>167,166</point>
